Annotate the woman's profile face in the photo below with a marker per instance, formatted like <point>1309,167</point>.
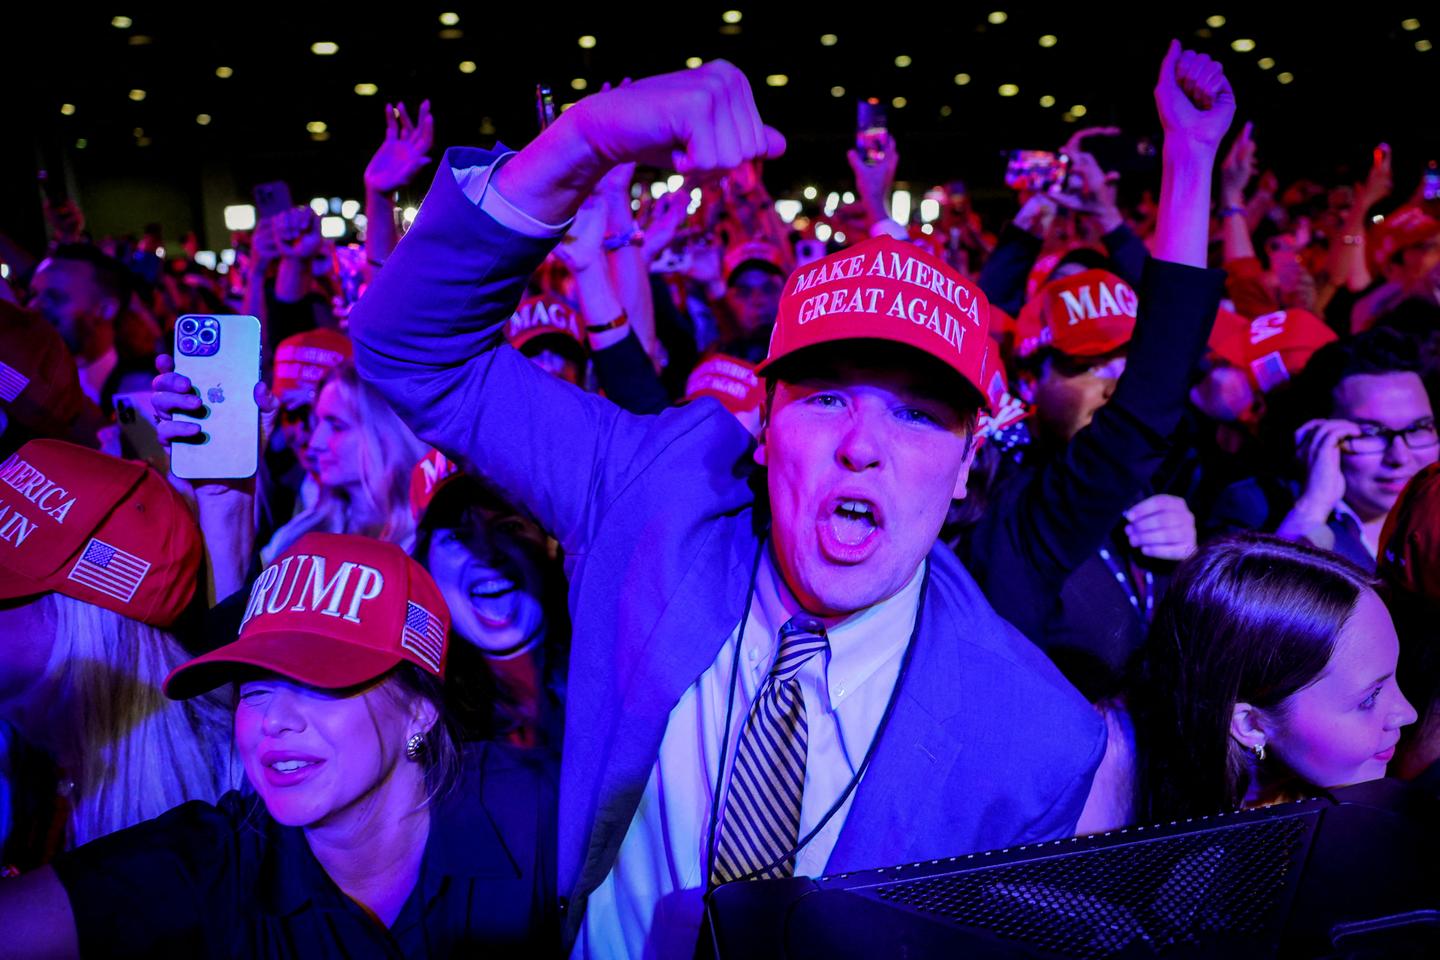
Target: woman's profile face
<point>491,585</point>
<point>334,446</point>
<point>1343,728</point>
<point>315,756</point>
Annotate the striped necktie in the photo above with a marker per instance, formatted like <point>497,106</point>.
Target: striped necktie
<point>762,807</point>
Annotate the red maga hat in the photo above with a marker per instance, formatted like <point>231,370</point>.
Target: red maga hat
<point>728,379</point>
<point>1271,348</point>
<point>885,289</point>
<point>334,611</point>
<point>97,528</point>
<point>425,478</point>
<point>1086,314</point>
<point>538,316</point>
<point>303,359</point>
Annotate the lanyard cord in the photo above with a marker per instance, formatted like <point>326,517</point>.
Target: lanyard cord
<point>864,764</point>
<point>1127,584</point>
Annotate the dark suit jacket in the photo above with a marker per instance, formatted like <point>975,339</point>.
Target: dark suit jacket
<point>988,746</point>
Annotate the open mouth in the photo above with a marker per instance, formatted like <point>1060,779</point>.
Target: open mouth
<point>494,600</point>
<point>849,530</point>
<point>284,771</point>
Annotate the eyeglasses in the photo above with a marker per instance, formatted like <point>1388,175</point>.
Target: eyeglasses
<point>1373,439</point>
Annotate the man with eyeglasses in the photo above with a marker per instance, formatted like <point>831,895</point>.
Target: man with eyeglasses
<point>1376,432</point>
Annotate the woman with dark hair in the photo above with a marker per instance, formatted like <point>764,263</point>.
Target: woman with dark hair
<point>506,591</point>
<point>368,832</point>
<point>1269,675</point>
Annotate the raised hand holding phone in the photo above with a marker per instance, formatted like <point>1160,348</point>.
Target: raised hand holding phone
<point>219,358</point>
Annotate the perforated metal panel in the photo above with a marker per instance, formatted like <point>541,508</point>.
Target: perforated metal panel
<point>1161,893</point>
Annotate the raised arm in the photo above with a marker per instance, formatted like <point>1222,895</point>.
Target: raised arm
<point>403,153</point>
<point>427,332</point>
<point>1042,531</point>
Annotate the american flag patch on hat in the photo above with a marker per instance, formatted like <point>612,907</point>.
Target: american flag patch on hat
<point>109,570</point>
<point>423,635</point>
<point>12,381</point>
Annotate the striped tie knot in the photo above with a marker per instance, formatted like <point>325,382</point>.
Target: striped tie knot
<point>800,639</point>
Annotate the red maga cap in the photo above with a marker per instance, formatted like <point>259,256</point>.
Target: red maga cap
<point>1083,315</point>
<point>1410,542</point>
<point>885,289</point>
<point>538,316</point>
<point>333,611</point>
<point>303,359</point>
<point>728,379</point>
<point>1271,348</point>
<point>426,477</point>
<point>91,526</point>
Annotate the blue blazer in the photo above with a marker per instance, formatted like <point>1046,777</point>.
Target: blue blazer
<point>987,746</point>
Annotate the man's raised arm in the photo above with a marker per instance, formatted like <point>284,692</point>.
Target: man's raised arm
<point>428,331</point>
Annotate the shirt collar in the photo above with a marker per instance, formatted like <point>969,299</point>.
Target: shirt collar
<point>859,643</point>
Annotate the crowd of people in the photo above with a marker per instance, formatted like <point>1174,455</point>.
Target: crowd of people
<point>608,544</point>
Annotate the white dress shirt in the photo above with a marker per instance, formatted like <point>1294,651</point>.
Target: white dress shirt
<point>650,904</point>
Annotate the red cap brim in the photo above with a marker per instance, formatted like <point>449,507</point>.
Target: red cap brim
<point>311,658</point>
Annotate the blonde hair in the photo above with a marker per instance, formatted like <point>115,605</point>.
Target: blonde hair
<point>130,752</point>
<point>388,453</point>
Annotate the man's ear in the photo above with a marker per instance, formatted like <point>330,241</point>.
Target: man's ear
<point>1249,726</point>
<point>962,480</point>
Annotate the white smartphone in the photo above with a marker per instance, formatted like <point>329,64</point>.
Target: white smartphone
<point>221,356</point>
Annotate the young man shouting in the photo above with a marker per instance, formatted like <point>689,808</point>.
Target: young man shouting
<point>771,673</point>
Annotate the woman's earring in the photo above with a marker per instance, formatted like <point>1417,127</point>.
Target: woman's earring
<point>1259,751</point>
<point>415,746</point>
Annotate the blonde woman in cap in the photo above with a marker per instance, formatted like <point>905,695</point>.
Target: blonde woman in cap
<point>98,559</point>
<point>367,833</point>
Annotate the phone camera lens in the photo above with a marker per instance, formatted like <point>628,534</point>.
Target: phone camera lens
<point>188,325</point>
<point>187,345</point>
<point>208,335</point>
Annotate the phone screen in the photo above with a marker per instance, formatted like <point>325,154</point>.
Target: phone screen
<point>1035,171</point>
<point>272,198</point>
<point>544,106</point>
<point>870,127</point>
<point>1430,182</point>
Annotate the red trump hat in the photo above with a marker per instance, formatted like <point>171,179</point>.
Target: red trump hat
<point>334,611</point>
<point>303,359</point>
<point>728,379</point>
<point>1086,314</point>
<point>426,477</point>
<point>97,528</point>
<point>1271,348</point>
<point>539,316</point>
<point>885,289</point>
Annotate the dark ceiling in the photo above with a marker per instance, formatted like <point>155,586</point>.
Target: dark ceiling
<point>1356,80</point>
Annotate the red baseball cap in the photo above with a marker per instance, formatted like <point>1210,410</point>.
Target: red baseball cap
<point>728,379</point>
<point>542,315</point>
<point>759,252</point>
<point>1410,226</point>
<point>1086,314</point>
<point>334,611</point>
<point>885,289</point>
<point>1271,348</point>
<point>1410,542</point>
<point>303,359</point>
<point>426,478</point>
<point>39,384</point>
<point>103,530</point>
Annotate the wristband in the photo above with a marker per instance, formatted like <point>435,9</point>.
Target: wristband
<point>1231,212</point>
<point>633,238</point>
<point>615,324</point>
